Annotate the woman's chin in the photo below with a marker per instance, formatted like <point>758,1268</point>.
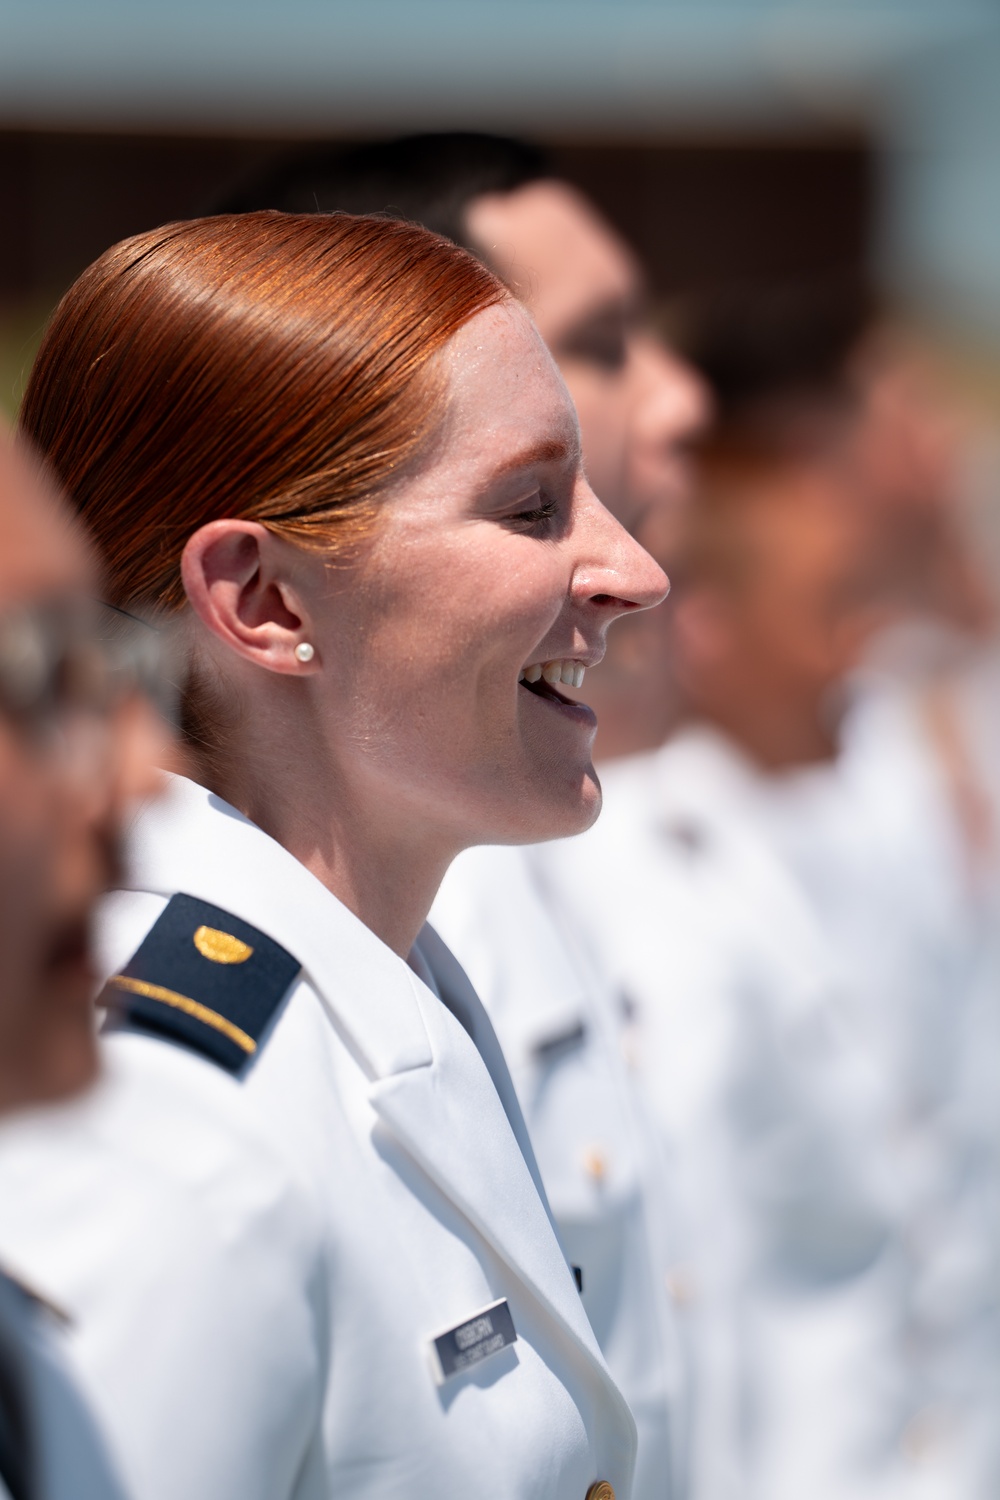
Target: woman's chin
<point>585,814</point>
<point>557,813</point>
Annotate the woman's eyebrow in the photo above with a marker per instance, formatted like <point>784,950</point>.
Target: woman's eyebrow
<point>547,451</point>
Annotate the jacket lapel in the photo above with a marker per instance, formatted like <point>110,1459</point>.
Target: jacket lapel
<point>366,986</point>
<point>484,1174</point>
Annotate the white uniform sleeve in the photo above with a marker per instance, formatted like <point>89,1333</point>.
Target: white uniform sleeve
<point>193,1271</point>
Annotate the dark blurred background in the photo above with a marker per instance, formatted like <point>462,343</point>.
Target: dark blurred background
<point>737,143</point>
<point>701,213</point>
<point>704,214</point>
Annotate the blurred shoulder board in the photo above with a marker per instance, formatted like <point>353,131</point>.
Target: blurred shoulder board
<point>467,1344</point>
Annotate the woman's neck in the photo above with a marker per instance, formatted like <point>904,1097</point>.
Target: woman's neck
<point>383,871</point>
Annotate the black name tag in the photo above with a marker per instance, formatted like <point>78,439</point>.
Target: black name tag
<point>485,1333</point>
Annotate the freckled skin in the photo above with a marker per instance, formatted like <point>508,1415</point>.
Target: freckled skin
<point>763,656</point>
<point>639,406</point>
<point>464,602</point>
<point>637,402</point>
<point>413,738</point>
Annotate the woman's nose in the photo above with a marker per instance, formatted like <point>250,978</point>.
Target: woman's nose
<point>615,571</point>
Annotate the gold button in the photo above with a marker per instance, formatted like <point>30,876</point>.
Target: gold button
<point>595,1164</point>
<point>602,1490</point>
<point>682,1285</point>
<point>926,1433</point>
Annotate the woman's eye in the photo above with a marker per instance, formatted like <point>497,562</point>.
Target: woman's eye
<point>536,518</point>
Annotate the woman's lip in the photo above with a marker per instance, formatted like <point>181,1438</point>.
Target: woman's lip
<point>581,712</point>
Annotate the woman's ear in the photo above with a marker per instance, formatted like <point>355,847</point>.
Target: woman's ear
<point>240,581</point>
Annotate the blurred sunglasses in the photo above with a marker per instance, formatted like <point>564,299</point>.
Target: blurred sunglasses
<point>64,660</point>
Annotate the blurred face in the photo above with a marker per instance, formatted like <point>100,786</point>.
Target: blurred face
<point>446,653</point>
<point>63,775</point>
<point>800,612</point>
<point>638,405</point>
<point>907,444</point>
<point>764,652</point>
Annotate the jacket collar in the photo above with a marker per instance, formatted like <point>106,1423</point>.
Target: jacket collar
<point>191,840</point>
<point>533,1000</point>
<point>440,970</point>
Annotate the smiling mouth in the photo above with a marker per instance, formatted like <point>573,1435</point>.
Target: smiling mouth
<point>542,680</point>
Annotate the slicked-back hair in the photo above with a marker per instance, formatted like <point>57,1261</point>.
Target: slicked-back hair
<point>267,366</point>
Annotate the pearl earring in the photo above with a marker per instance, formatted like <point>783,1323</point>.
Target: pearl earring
<point>304,652</point>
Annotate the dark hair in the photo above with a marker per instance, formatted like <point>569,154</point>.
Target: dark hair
<point>272,367</point>
<point>427,179</point>
<point>738,471</point>
<point>760,344</point>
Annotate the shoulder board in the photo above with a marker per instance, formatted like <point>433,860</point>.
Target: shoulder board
<point>204,979</point>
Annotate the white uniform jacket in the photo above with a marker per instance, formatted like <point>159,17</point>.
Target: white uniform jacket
<point>766,1102</point>
<point>63,1454</point>
<point>257,1266</point>
<point>600,1157</point>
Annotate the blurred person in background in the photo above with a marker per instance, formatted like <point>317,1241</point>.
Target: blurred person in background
<point>75,749</point>
<point>316,1256</point>
<point>890,836</point>
<point>764,1098</point>
<point>890,841</point>
<point>827,824</point>
<point>908,447</point>
<point>639,407</point>
<point>821,363</point>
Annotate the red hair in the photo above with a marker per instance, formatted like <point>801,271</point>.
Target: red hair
<point>271,367</point>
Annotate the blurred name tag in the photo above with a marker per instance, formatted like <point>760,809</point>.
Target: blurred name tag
<point>469,1343</point>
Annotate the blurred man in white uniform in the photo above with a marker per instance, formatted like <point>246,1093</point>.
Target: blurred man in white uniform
<point>891,836</point>
<point>73,750</point>
<point>639,407</point>
<point>809,990</point>
<point>740,1036</point>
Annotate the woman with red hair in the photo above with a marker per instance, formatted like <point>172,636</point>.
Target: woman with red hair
<point>332,456</point>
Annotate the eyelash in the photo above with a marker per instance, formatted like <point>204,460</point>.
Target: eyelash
<point>535,519</point>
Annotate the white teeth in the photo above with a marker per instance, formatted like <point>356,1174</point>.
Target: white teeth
<point>555,673</point>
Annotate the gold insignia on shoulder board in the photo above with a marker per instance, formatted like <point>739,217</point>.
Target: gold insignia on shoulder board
<point>221,947</point>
